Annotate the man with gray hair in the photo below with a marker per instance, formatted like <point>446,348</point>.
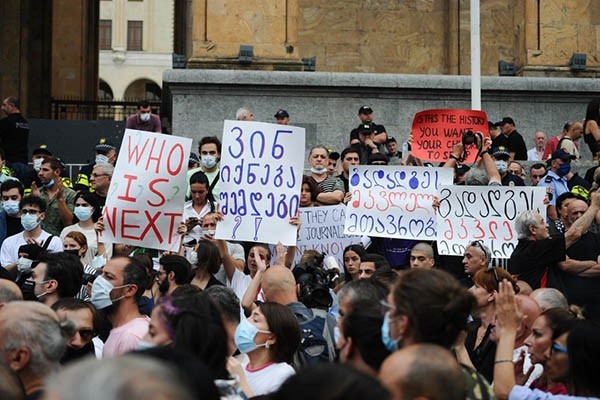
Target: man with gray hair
<point>100,181</point>
<point>32,342</point>
<point>244,114</point>
<point>549,298</point>
<point>536,258</point>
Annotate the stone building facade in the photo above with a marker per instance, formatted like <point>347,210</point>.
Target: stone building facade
<point>393,36</point>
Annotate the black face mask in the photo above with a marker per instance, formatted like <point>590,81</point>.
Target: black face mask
<point>73,354</point>
<point>75,252</point>
<point>28,289</point>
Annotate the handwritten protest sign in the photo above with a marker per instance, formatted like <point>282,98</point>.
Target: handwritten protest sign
<point>261,175</point>
<point>145,199</point>
<point>434,132</point>
<point>323,230</point>
<point>484,213</point>
<point>394,202</point>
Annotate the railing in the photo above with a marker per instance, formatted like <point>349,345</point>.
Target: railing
<point>115,110</point>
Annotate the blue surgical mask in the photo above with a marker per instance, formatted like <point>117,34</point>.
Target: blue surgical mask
<point>83,213</point>
<point>502,166</point>
<point>11,207</point>
<point>101,289</point>
<point>29,222</point>
<point>101,159</point>
<point>389,343</point>
<point>244,336</point>
<point>144,345</point>
<point>208,161</point>
<point>49,184</point>
<point>564,169</point>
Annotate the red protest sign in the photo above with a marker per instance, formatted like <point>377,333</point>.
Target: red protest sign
<point>434,132</point>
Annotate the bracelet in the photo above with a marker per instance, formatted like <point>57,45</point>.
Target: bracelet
<point>503,361</point>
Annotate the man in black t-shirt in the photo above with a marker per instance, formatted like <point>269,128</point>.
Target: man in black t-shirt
<point>14,137</point>
<point>365,114</point>
<point>514,140</point>
<point>502,157</point>
<point>536,257</point>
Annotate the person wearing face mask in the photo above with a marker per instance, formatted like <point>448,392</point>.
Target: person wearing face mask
<point>116,293</point>
<point>269,338</point>
<point>59,199</point>
<point>556,180</point>
<point>75,243</point>
<point>55,276</point>
<point>87,213</point>
<point>502,159</point>
<point>30,175</point>
<point>106,153</point>
<point>33,211</point>
<point>331,187</point>
<point>144,119</point>
<point>209,149</point>
<point>10,221</point>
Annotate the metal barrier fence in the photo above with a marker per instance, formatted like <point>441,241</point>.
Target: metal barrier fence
<point>73,109</point>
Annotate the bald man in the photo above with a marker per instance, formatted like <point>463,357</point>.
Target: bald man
<point>424,371</point>
<point>9,291</point>
<point>279,286</point>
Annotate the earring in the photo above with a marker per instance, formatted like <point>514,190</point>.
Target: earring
<point>267,345</point>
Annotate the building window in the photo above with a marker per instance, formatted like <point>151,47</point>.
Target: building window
<point>105,41</point>
<point>134,35</point>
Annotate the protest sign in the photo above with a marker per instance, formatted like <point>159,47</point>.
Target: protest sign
<point>485,213</point>
<point>434,132</point>
<point>323,230</point>
<point>261,175</point>
<point>144,205</point>
<point>396,202</point>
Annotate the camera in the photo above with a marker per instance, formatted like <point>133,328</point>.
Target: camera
<point>315,282</point>
<point>468,138</point>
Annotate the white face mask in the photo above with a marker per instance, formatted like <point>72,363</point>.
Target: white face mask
<point>208,161</point>
<point>37,163</point>
<point>318,171</point>
<point>192,257</point>
<point>101,159</point>
<point>101,289</point>
<point>24,264</point>
<point>145,117</point>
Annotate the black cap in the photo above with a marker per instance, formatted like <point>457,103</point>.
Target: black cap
<point>505,120</point>
<point>42,149</point>
<point>563,155</point>
<point>365,110</point>
<point>365,128</point>
<point>281,113</point>
<point>500,152</point>
<point>104,145</point>
<point>391,139</point>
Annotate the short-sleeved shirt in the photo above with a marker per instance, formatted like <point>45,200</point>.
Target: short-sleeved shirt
<point>211,179</point>
<point>376,129</point>
<point>557,184</point>
<point>516,144</point>
<point>52,222</point>
<point>9,252</point>
<point>126,337</point>
<point>569,146</point>
<point>531,259</point>
<point>267,379</point>
<point>330,184</point>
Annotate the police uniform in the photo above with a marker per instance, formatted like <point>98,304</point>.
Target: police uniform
<point>555,186</point>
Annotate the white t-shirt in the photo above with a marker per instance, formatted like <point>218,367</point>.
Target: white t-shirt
<point>90,235</point>
<point>9,252</point>
<point>190,212</point>
<point>267,379</point>
<point>236,251</point>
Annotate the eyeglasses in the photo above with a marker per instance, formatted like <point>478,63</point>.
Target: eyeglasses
<point>480,246</point>
<point>557,348</point>
<point>29,211</point>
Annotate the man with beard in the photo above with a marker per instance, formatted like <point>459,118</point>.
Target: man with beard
<point>174,271</point>
<point>86,323</point>
<point>117,292</point>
